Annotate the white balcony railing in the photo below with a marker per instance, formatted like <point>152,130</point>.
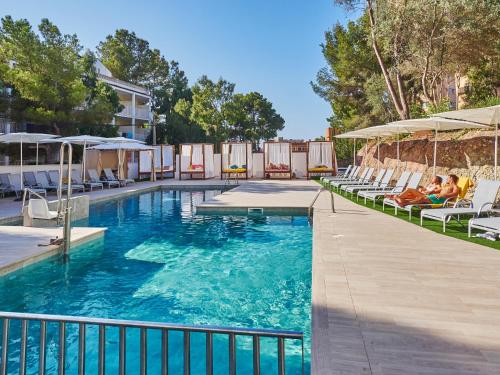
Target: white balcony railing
<point>141,111</point>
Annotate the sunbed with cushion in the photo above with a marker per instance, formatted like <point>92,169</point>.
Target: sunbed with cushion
<point>94,177</point>
<point>482,201</point>
<point>365,179</point>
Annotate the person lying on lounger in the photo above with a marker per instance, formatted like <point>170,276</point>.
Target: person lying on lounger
<point>434,187</point>
<point>414,196</point>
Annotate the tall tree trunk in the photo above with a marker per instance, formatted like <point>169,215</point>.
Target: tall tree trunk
<point>400,106</point>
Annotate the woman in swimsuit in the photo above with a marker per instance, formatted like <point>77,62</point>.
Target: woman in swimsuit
<point>433,188</point>
<point>412,196</point>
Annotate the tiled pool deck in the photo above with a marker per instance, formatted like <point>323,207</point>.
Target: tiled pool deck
<point>389,297</point>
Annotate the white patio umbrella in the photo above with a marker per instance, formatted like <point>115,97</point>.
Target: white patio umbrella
<point>436,124</point>
<point>485,116</point>
<point>124,146</point>
<point>354,135</point>
<point>22,138</point>
<point>83,140</point>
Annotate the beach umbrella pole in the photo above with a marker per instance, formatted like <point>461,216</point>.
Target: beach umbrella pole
<point>378,154</point>
<point>354,152</point>
<point>37,153</point>
<point>83,161</point>
<point>435,151</point>
<point>397,148</point>
<point>22,179</point>
<point>496,149</point>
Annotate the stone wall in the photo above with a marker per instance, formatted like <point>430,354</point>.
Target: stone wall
<point>462,153</point>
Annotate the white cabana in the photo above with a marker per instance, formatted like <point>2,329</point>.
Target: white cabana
<point>320,158</point>
<point>277,159</point>
<point>484,116</point>
<point>197,160</point>
<point>236,160</point>
<point>164,160</point>
<point>121,150</point>
<point>22,138</point>
<point>435,124</point>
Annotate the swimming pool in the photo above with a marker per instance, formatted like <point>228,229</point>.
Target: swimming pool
<point>161,262</point>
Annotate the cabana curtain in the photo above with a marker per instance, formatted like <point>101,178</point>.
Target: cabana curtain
<point>320,155</point>
<point>237,156</point>
<point>278,156</point>
<point>209,161</point>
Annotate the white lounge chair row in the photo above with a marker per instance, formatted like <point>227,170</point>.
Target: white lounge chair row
<point>358,182</point>
<point>43,181</point>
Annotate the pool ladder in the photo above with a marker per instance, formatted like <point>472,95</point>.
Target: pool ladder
<point>310,209</point>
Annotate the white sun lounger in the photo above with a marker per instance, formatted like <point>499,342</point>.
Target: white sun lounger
<point>487,224</point>
<point>353,174</point>
<point>362,178</point>
<point>405,180</point>
<point>94,177</point>
<point>366,179</point>
<point>54,178</point>
<point>111,177</point>
<point>413,183</point>
<point>482,201</point>
<point>77,179</point>
<point>339,175</point>
<point>376,183</point>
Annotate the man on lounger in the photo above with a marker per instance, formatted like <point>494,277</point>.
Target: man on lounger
<point>414,196</point>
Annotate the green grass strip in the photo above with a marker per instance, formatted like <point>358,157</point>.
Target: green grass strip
<point>453,228</point>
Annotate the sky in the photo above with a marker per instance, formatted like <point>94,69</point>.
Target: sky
<point>269,46</point>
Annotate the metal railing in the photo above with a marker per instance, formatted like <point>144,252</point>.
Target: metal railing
<point>332,201</point>
<point>64,322</point>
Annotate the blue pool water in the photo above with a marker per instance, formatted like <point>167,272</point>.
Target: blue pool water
<point>161,262</point>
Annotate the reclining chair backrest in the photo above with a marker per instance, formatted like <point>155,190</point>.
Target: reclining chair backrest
<point>354,172</point>
<point>109,175</point>
<point>54,177</point>
<point>94,177</point>
<point>486,192</point>
<point>29,178</point>
<point>403,179</point>
<point>368,174</point>
<point>42,180</point>
<point>415,179</point>
<point>379,176</point>
<point>15,181</point>
<point>387,177</point>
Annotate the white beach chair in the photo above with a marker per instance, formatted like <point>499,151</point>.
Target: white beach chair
<point>356,180</point>
<point>482,201</point>
<point>77,180</point>
<point>352,174</point>
<point>413,183</point>
<point>108,173</point>
<point>43,181</point>
<point>94,177</point>
<point>339,175</point>
<point>39,209</point>
<point>487,224</point>
<point>401,183</point>
<point>384,183</point>
<point>367,186</point>
<point>54,179</point>
<point>15,182</point>
<point>366,180</point>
